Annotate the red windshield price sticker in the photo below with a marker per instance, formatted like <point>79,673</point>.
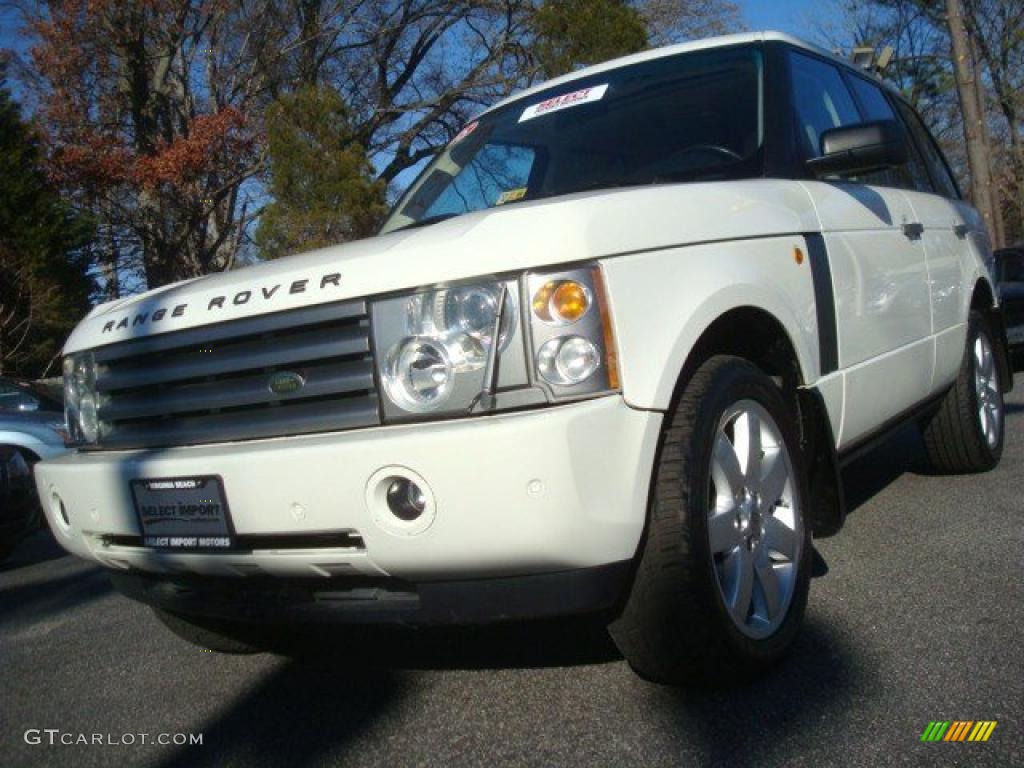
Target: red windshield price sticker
<point>465,132</point>
<point>566,100</point>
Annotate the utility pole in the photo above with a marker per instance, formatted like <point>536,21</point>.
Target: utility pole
<point>984,193</point>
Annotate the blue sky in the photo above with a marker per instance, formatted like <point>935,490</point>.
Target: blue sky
<point>790,16</point>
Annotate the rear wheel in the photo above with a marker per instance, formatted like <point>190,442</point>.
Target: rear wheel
<point>213,634</point>
<point>966,433</point>
<point>722,580</point>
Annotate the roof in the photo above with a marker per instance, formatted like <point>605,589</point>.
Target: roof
<point>671,50</point>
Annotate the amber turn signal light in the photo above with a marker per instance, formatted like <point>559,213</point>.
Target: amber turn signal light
<point>561,302</point>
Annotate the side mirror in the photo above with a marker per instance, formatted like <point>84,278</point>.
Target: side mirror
<point>861,148</point>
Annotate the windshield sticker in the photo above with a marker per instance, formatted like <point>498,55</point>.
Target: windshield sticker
<point>511,195</point>
<point>566,100</point>
<point>465,132</point>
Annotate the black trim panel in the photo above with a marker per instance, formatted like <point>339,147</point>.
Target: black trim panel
<point>252,542</point>
<point>824,303</point>
<point>828,497</point>
<point>873,439</point>
<point>364,600</point>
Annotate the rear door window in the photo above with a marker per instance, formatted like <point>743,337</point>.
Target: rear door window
<point>937,165</point>
<point>875,105</point>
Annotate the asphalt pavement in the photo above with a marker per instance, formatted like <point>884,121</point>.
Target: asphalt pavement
<point>915,615</point>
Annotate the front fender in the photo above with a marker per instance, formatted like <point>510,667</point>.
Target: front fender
<point>26,442</point>
<point>662,302</point>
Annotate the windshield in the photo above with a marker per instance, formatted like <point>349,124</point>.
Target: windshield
<point>690,117</point>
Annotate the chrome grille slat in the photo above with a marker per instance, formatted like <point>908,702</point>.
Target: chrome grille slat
<point>212,384</point>
<point>282,421</point>
<point>321,380</point>
<point>198,363</point>
<point>233,329</point>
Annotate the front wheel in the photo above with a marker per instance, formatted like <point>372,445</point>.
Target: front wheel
<point>724,571</point>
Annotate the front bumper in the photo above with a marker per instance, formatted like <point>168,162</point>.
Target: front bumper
<point>545,491</point>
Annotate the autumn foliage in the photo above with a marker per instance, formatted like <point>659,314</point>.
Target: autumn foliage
<point>184,159</point>
<point>141,131</point>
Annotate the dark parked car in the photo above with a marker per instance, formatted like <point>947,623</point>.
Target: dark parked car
<point>21,395</point>
<point>19,507</point>
<point>1009,276</point>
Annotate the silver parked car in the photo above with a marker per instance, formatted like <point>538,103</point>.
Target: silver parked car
<point>27,396</point>
<point>25,438</point>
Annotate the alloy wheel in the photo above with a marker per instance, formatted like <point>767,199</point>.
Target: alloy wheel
<point>986,385</point>
<point>755,525</point>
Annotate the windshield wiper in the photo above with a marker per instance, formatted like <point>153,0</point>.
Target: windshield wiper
<point>426,222</point>
<point>591,187</point>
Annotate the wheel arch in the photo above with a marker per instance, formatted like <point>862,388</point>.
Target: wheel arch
<point>28,445</point>
<point>983,300</point>
<point>758,335</point>
<point>750,332</point>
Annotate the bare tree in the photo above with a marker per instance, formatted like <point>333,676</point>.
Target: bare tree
<point>984,192</point>
<point>672,21</point>
<point>997,31</point>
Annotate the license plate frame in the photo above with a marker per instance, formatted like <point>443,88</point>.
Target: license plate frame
<point>184,514</point>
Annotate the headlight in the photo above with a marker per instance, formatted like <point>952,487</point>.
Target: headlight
<point>443,351</point>
<point>568,360</point>
<point>433,346</point>
<point>81,402</point>
<point>418,374</point>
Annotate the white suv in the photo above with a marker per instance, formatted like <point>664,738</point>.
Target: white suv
<point>608,353</point>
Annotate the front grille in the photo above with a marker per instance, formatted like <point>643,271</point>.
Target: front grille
<point>212,384</point>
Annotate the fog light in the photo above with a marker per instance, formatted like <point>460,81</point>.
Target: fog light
<point>406,500</point>
<point>400,501</point>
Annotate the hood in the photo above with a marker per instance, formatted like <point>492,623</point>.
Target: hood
<point>521,236</point>
<point>41,425</point>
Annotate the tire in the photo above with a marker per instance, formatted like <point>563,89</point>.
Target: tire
<point>213,634</point>
<point>7,546</point>
<point>19,503</point>
<point>966,434</point>
<point>40,523</point>
<point>676,626</point>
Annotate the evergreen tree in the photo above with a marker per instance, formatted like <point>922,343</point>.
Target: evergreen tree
<point>320,179</point>
<point>44,283</point>
<point>574,33</point>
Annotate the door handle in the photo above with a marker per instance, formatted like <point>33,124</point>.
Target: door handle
<point>913,230</point>
<point>960,230</point>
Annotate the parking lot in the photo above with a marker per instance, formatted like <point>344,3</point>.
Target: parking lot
<point>915,615</point>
